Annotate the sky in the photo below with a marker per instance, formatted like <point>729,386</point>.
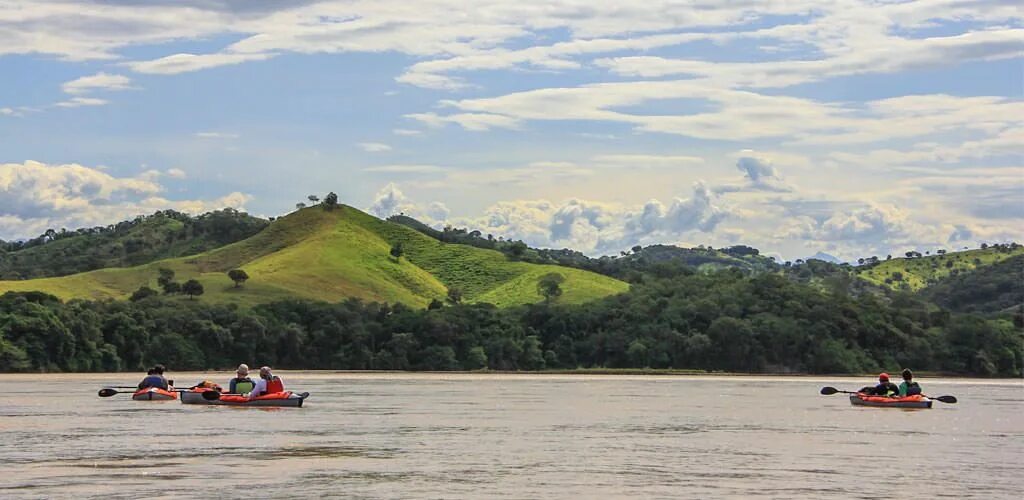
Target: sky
<point>849,127</point>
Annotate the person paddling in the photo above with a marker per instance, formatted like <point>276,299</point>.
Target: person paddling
<point>241,384</point>
<point>908,387</point>
<point>884,387</point>
<point>155,378</point>
<point>268,383</point>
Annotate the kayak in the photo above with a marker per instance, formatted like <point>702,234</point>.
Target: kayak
<point>915,401</point>
<point>277,399</point>
<point>154,394</point>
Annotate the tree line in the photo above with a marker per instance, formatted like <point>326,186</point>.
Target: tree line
<point>673,317</point>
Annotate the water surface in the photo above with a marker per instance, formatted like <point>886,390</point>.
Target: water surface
<point>511,436</point>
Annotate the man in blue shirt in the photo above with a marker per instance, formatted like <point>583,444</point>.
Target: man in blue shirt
<point>155,378</point>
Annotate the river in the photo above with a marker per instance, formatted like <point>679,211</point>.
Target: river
<point>383,435</point>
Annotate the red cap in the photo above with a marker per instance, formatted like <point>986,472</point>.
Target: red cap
<point>883,377</point>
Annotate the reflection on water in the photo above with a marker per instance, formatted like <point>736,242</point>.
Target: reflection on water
<point>480,436</point>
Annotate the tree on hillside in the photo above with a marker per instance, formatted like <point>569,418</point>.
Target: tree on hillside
<point>238,276</point>
<point>300,206</point>
<point>330,201</point>
<point>192,288</point>
<point>434,304</point>
<point>455,295</point>
<point>517,248</point>
<point>314,199</point>
<point>550,286</point>
<point>166,276</point>
<point>171,288</point>
<point>142,293</point>
<point>397,251</point>
<point>637,248</point>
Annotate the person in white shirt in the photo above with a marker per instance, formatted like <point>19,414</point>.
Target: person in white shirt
<point>268,383</point>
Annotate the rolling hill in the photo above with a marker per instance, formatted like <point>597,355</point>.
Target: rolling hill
<point>162,235</point>
<point>920,272</point>
<point>334,255</point>
<point>989,289</point>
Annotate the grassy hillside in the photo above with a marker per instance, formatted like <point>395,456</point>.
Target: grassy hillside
<point>145,239</point>
<point>332,256</point>
<point>918,273</point>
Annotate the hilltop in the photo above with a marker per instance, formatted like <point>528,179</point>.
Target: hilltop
<point>917,272</point>
<point>333,255</point>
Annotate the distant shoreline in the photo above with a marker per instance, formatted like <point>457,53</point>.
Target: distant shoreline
<point>580,372</point>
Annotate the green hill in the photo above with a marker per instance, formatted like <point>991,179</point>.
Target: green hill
<point>919,272</point>
<point>988,289</point>
<point>333,255</point>
<point>165,234</point>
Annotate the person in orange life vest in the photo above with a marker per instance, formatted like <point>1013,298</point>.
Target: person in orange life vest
<point>268,383</point>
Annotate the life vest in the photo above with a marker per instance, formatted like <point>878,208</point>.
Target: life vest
<point>913,388</point>
<point>244,385</point>
<point>275,384</point>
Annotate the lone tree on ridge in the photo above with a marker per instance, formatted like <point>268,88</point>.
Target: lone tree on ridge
<point>238,276</point>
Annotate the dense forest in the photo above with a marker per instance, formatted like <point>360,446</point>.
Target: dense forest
<point>145,239</point>
<point>673,317</point>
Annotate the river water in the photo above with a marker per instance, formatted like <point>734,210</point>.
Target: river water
<point>381,435</point>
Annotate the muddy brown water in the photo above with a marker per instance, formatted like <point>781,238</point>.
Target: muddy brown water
<point>382,435</point>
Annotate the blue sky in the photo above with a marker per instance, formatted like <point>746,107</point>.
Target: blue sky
<point>850,127</point>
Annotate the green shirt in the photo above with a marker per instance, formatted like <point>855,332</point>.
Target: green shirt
<point>904,387</point>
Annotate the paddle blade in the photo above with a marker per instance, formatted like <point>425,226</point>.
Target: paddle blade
<point>211,395</point>
<point>107,392</point>
<point>828,391</point>
<point>947,399</point>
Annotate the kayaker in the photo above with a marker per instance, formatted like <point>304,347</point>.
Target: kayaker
<point>908,387</point>
<point>268,383</point>
<point>241,384</point>
<point>884,387</point>
<point>155,378</point>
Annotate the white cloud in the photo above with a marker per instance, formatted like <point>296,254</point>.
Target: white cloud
<point>742,115</point>
<point>216,135</point>
<point>374,147</point>
<point>176,173</point>
<point>476,122</point>
<point>406,131</point>
<point>888,55</point>
<point>406,169</point>
<point>9,112</point>
<point>647,160</point>
<point>390,201</point>
<point>35,196</point>
<point>98,82</point>
<point>184,63</point>
<point>593,227</point>
<point>76,102</point>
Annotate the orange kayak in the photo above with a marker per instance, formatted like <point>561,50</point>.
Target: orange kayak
<point>154,394</point>
<point>915,401</point>
<point>278,399</point>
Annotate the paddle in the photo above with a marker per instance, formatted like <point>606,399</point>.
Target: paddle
<point>110,391</point>
<point>828,391</point>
